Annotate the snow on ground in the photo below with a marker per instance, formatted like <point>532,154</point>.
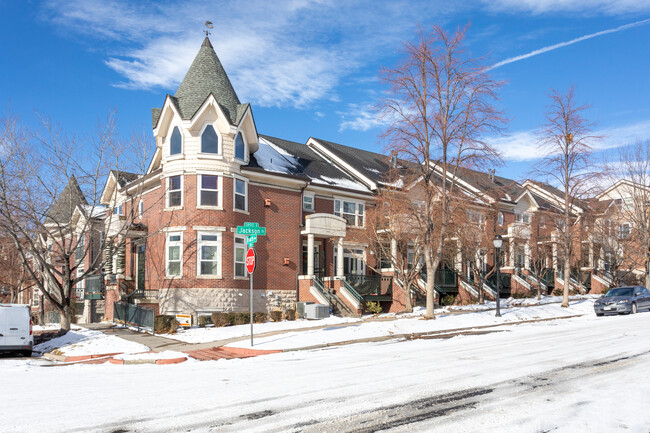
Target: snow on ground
<point>585,374</point>
<point>167,354</point>
<point>415,324</point>
<point>81,341</point>
<point>208,334</point>
<point>46,327</point>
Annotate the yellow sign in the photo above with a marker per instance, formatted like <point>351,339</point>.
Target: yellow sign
<point>184,320</point>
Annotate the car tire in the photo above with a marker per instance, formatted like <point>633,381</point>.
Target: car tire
<point>634,308</point>
<point>26,353</point>
<point>599,314</point>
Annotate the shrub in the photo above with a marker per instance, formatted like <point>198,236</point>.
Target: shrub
<point>241,318</point>
<point>261,317</point>
<point>448,300</point>
<point>165,324</point>
<point>204,320</point>
<point>290,314</point>
<point>222,319</point>
<point>518,295</point>
<point>276,316</point>
<point>373,307</point>
<point>558,292</point>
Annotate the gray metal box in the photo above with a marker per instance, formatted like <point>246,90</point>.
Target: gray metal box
<point>317,311</point>
<point>300,309</point>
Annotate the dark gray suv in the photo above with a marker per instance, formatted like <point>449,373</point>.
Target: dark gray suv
<point>623,300</point>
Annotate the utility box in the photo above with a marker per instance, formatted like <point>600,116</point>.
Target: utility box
<point>300,309</point>
<point>317,311</point>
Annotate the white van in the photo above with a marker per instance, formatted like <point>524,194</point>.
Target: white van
<point>16,329</point>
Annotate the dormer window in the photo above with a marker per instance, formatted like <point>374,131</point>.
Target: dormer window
<point>239,147</point>
<point>209,140</point>
<point>176,142</point>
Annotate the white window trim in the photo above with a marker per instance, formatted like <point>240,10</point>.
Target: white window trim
<point>219,242</point>
<point>167,192</point>
<point>208,155</point>
<point>234,259</point>
<point>313,201</point>
<point>219,190</point>
<point>356,210</point>
<point>168,140</point>
<point>234,147</point>
<point>234,189</point>
<point>172,233</point>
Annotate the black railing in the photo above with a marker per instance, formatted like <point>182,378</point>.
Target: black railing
<point>446,278</point>
<point>548,277</point>
<point>505,286</point>
<point>133,315</point>
<point>94,287</point>
<point>371,285</point>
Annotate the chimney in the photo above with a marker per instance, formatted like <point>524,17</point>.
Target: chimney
<point>491,172</point>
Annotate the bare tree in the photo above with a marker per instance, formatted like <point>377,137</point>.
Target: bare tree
<point>567,140</point>
<point>440,105</point>
<point>50,184</point>
<point>632,174</point>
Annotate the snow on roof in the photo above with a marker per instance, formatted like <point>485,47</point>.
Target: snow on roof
<point>95,211</point>
<point>341,183</point>
<point>275,159</point>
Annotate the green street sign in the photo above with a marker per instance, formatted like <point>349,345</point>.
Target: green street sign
<point>251,225</point>
<point>243,230</point>
<point>251,239</point>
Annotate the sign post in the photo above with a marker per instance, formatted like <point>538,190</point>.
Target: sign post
<point>252,230</point>
<point>251,264</point>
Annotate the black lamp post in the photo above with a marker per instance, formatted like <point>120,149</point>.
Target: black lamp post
<point>497,246</point>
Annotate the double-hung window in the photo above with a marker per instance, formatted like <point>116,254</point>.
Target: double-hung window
<point>240,194</point>
<point>209,190</point>
<point>521,217</point>
<point>240,256</point>
<point>175,191</point>
<point>117,210</point>
<point>308,202</point>
<point>174,254</point>
<point>209,249</point>
<point>352,212</point>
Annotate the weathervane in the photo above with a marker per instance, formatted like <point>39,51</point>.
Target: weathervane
<point>209,25</point>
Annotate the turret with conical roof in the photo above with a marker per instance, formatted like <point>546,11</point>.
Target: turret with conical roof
<point>62,209</point>
<point>206,76</point>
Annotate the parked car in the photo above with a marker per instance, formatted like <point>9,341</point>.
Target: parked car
<point>623,300</point>
<point>16,329</point>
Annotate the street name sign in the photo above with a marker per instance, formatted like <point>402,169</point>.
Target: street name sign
<point>244,230</point>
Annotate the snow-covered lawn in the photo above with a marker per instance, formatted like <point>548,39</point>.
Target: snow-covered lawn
<point>416,324</point>
<point>585,374</point>
<point>80,341</point>
<point>209,334</point>
<point>167,354</point>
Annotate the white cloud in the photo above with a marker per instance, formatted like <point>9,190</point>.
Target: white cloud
<point>524,145</point>
<point>564,44</point>
<point>361,118</point>
<point>289,53</point>
<point>609,7</point>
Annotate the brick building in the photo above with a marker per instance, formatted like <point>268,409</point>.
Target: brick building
<point>175,225</point>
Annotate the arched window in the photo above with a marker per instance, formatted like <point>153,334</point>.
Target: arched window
<point>176,142</point>
<point>239,147</point>
<point>209,140</point>
<point>500,218</point>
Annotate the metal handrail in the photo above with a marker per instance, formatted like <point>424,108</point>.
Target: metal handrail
<point>320,287</point>
<point>352,292</point>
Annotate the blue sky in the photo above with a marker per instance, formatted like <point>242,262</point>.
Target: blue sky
<point>310,68</point>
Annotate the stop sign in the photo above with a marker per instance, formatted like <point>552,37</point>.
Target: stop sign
<point>250,261</point>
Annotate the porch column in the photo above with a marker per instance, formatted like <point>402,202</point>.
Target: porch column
<point>459,257</point>
<point>339,258</point>
<point>555,256</point>
<point>310,255</point>
<point>393,252</point>
<point>527,255</point>
<point>511,252</point>
<point>121,258</point>
<point>591,255</point>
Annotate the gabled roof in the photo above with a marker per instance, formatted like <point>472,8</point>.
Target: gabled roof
<point>207,76</point>
<point>298,160</point>
<point>71,197</point>
<point>495,186</point>
<point>124,177</point>
<point>374,166</point>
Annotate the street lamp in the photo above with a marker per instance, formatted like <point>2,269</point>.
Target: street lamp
<point>497,246</point>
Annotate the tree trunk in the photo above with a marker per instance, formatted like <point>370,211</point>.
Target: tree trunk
<point>567,275</point>
<point>87,316</point>
<point>65,318</point>
<point>408,304</point>
<point>481,294</point>
<point>431,275</point>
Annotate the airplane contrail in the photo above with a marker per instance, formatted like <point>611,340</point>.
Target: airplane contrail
<point>564,44</point>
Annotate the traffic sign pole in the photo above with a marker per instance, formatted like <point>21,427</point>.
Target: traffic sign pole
<point>251,264</point>
<point>250,277</point>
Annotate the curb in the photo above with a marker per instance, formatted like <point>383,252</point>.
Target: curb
<point>418,335</point>
<point>63,358</point>
<point>147,361</point>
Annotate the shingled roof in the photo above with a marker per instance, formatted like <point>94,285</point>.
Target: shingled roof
<point>124,177</point>
<point>62,209</point>
<point>206,76</point>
